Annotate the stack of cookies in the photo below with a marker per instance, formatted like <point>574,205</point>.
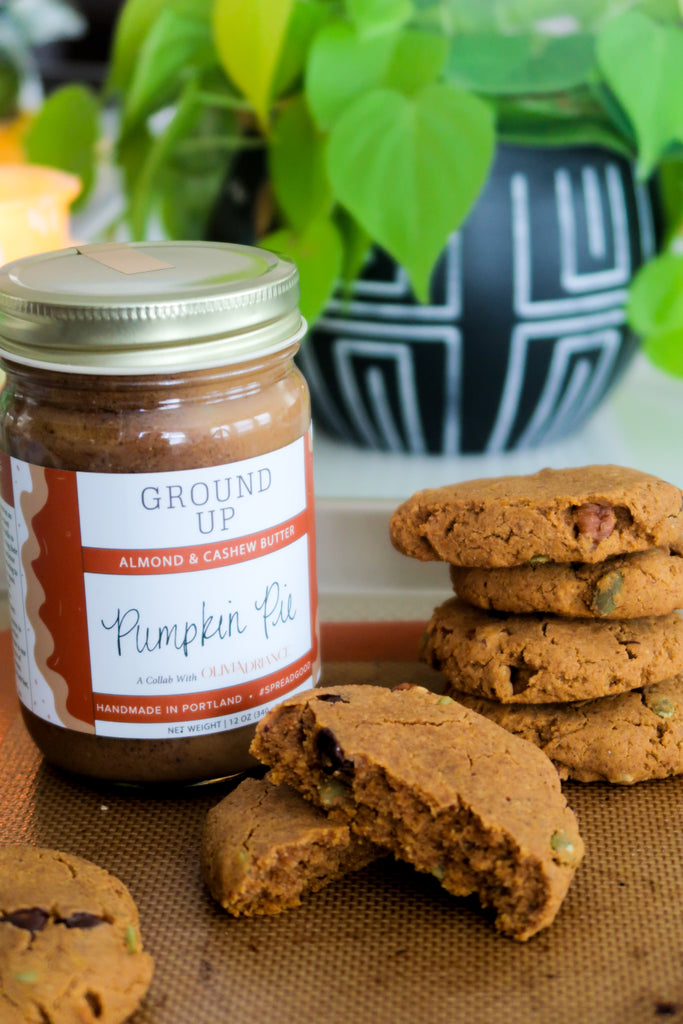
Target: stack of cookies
<point>564,629</point>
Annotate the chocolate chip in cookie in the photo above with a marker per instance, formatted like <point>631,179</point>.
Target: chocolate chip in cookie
<point>70,944</point>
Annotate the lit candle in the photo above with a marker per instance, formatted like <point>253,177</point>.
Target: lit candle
<point>34,209</point>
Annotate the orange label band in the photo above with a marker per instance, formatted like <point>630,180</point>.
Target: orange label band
<point>126,562</point>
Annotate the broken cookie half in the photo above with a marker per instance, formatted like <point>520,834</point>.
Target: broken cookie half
<point>439,786</point>
<point>264,848</point>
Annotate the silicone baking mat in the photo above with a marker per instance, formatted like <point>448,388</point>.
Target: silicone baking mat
<point>386,945</point>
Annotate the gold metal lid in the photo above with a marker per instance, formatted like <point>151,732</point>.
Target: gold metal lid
<point>148,307</point>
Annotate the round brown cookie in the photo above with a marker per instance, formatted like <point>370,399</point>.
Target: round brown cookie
<point>264,847</point>
<point>70,946</point>
<point>622,587</point>
<point>562,515</point>
<point>534,659</point>
<point>439,786</point>
<point>627,738</point>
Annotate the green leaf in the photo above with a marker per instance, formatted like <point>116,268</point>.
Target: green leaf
<point>149,161</point>
<point>248,35</point>
<point>377,17</point>
<point>670,181</point>
<point>174,44</point>
<point>307,18</point>
<point>524,63</point>
<point>297,166</point>
<point>187,198</point>
<point>511,16</point>
<point>317,253</point>
<point>409,168</point>
<point>551,16</point>
<point>64,134</point>
<point>665,350</point>
<point>655,310</point>
<point>615,114</point>
<point>341,67</point>
<point>10,84</point>
<point>134,22</point>
<point>132,152</point>
<point>562,120</point>
<point>194,171</point>
<point>642,62</point>
<point>655,303</point>
<point>357,245</point>
<point>662,10</point>
<point>418,59</point>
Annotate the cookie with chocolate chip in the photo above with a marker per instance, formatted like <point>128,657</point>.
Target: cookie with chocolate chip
<point>621,587</point>
<point>264,848</point>
<point>586,514</point>
<point>70,945</point>
<point>439,786</point>
<point>536,659</point>
<point>624,739</point>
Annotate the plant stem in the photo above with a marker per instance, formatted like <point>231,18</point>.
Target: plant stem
<point>219,99</point>
<point>182,119</point>
<point>213,142</point>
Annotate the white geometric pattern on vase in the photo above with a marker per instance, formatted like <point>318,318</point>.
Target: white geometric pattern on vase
<point>381,357</point>
<point>566,317</point>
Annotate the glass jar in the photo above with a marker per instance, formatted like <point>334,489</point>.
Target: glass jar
<point>157,502</point>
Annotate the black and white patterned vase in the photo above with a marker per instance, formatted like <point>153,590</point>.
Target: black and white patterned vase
<point>525,330</point>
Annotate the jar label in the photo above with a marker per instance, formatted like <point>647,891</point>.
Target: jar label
<point>153,605</point>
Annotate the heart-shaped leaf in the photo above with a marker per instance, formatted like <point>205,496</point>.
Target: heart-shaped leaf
<point>642,61</point>
<point>418,59</point>
<point>409,168</point>
<point>248,35</point>
<point>317,252</point>
<point>342,66</point>
<point>297,165</point>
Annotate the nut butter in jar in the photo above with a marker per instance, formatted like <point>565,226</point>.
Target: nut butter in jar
<point>157,504</point>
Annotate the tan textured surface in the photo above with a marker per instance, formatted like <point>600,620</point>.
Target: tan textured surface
<point>384,946</point>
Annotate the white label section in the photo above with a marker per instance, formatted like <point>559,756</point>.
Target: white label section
<point>172,510</point>
<point>199,631</point>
